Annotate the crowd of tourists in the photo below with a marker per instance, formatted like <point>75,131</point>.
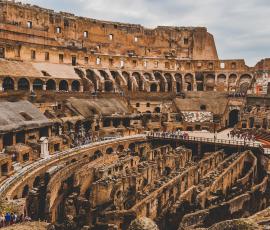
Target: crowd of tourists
<point>242,134</point>
<point>10,218</point>
<point>170,134</point>
<point>237,94</point>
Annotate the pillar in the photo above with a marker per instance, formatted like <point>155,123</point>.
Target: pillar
<point>44,87</point>
<point>81,88</point>
<point>69,87</point>
<point>1,85</point>
<point>1,143</point>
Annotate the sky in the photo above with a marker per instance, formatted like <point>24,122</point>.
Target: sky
<point>241,28</point>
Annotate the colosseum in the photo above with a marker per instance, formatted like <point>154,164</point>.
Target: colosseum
<point>113,126</point>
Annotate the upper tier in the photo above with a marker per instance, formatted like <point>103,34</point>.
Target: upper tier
<point>33,25</point>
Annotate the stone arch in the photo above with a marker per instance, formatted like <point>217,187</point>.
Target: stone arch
<point>232,81</point>
<point>75,86</point>
<point>8,84</point>
<point>210,82</point>
<point>189,80</point>
<point>23,84</point>
<point>109,150</point>
<point>119,79</point>
<point>139,80</point>
<point>37,84</point>
<point>233,117</point>
<point>162,81</point>
<point>170,79</point>
<point>244,83</point>
<point>199,77</point>
<point>128,80</point>
<point>178,79</point>
<point>50,85</point>
<point>148,76</point>
<point>25,191</point>
<point>63,85</point>
<point>108,84</point>
<point>221,79</point>
<point>153,87</point>
<point>97,154</point>
<point>90,74</point>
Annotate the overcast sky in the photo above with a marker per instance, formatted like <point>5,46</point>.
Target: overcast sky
<point>241,28</point>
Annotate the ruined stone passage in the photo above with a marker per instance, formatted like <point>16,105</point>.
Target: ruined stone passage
<point>162,183</point>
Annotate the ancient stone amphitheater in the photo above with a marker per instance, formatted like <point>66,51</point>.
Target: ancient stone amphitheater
<point>107,125</point>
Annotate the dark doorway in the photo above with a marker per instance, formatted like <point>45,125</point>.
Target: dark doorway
<point>8,139</point>
<point>153,88</point>
<point>63,85</point>
<point>23,84</point>
<point>50,85</point>
<point>199,86</point>
<point>189,86</point>
<point>233,118</point>
<point>8,84</point>
<point>178,87</point>
<point>74,60</point>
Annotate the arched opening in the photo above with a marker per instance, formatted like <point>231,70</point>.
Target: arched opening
<point>120,148</point>
<point>108,87</point>
<point>92,77</point>
<point>189,82</point>
<point>157,110</point>
<point>63,85</point>
<point>109,151</point>
<point>75,86</point>
<point>233,118</point>
<point>23,84</point>
<point>210,82</point>
<point>178,79</point>
<point>139,80</point>
<point>132,147</point>
<point>108,84</point>
<point>221,82</point>
<point>178,87</point>
<point>251,122</point>
<point>8,84</point>
<point>153,88</point>
<point>162,81</point>
<point>189,86</point>
<point>199,86</point>
<point>129,83</point>
<point>25,191</point>
<point>169,80</point>
<point>232,82</point>
<point>37,84</point>
<point>36,182</point>
<point>50,85</point>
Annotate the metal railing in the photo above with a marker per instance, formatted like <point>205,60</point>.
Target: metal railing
<point>58,155</point>
<point>210,140</point>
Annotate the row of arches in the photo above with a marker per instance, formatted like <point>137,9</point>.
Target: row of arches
<point>24,84</point>
<point>111,81</point>
<point>166,82</point>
